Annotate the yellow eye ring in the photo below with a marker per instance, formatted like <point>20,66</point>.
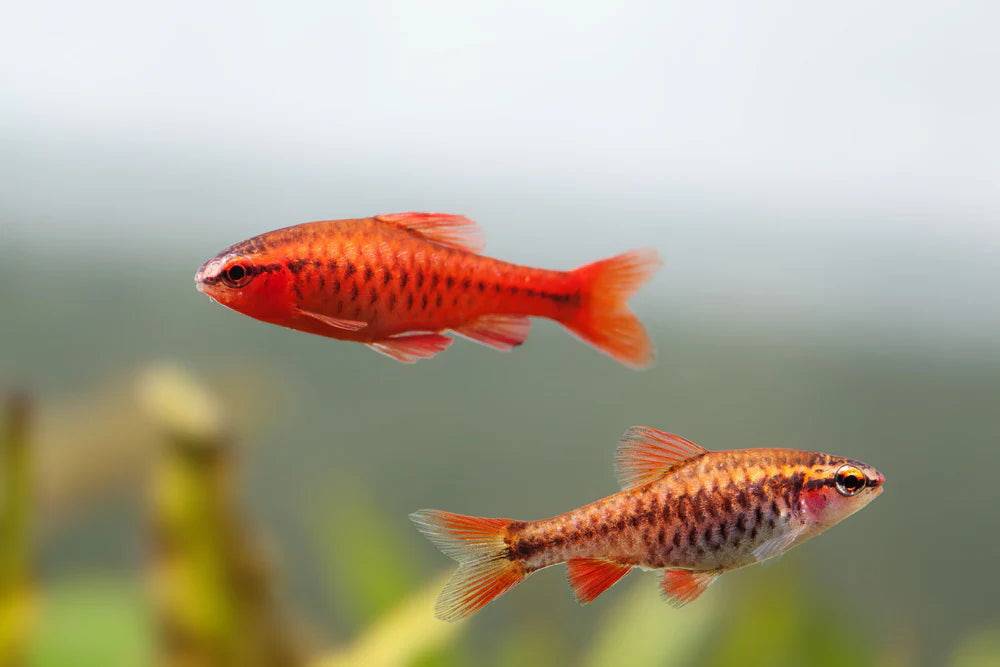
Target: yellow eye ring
<point>850,480</point>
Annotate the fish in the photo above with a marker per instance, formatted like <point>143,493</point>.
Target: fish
<point>691,513</point>
<point>399,282</point>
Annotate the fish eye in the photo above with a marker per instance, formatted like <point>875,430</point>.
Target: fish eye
<point>236,275</point>
<point>850,480</point>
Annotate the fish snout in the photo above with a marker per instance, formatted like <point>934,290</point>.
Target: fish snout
<point>875,480</point>
<point>207,273</point>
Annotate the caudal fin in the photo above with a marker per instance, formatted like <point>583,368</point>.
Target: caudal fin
<point>485,569</point>
<point>604,319</point>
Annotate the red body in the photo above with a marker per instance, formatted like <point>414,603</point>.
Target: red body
<point>389,281</point>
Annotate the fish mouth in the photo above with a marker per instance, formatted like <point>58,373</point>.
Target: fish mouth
<point>199,279</point>
<point>876,482</point>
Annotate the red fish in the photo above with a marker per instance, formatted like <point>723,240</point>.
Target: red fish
<point>692,513</point>
<point>398,282</point>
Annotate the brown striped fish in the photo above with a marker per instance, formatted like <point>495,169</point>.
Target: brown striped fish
<point>692,513</point>
<point>399,282</point>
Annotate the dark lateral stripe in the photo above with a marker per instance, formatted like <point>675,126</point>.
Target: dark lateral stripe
<point>296,265</point>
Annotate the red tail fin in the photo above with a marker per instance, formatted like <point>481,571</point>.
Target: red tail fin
<point>604,319</point>
<point>485,569</point>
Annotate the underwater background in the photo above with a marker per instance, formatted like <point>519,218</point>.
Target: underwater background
<point>184,485</point>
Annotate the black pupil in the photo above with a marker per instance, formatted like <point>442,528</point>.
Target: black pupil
<point>852,482</point>
<point>236,273</point>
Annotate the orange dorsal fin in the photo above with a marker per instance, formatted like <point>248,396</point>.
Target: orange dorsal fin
<point>501,332</point>
<point>485,568</point>
<point>590,577</point>
<point>683,586</point>
<point>645,454</point>
<point>411,348</point>
<point>452,231</point>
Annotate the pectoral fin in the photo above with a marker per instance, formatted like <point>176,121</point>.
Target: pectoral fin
<point>335,322</point>
<point>778,544</point>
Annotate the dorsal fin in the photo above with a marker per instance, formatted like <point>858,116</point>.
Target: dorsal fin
<point>645,454</point>
<point>452,231</point>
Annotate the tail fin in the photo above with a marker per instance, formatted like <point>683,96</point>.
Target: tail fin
<point>485,569</point>
<point>604,320</point>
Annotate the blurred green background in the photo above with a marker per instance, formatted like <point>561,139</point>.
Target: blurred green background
<point>821,183</point>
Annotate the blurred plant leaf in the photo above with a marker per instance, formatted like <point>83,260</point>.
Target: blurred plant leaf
<point>92,622</point>
<point>178,403</point>
<point>642,629</point>
<point>100,444</point>
<point>212,584</point>
<point>980,648</point>
<point>369,567</point>
<point>775,619</point>
<point>533,640</point>
<point>17,608</point>
<point>403,637</point>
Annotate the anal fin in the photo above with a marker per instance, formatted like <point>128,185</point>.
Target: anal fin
<point>590,577</point>
<point>411,347</point>
<point>683,586</point>
<point>502,332</point>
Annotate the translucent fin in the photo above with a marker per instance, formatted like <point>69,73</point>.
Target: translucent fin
<point>335,322</point>
<point>503,332</point>
<point>778,544</point>
<point>683,586</point>
<point>590,577</point>
<point>485,569</point>
<point>645,454</point>
<point>453,231</point>
<point>412,347</point>
<point>605,320</point>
